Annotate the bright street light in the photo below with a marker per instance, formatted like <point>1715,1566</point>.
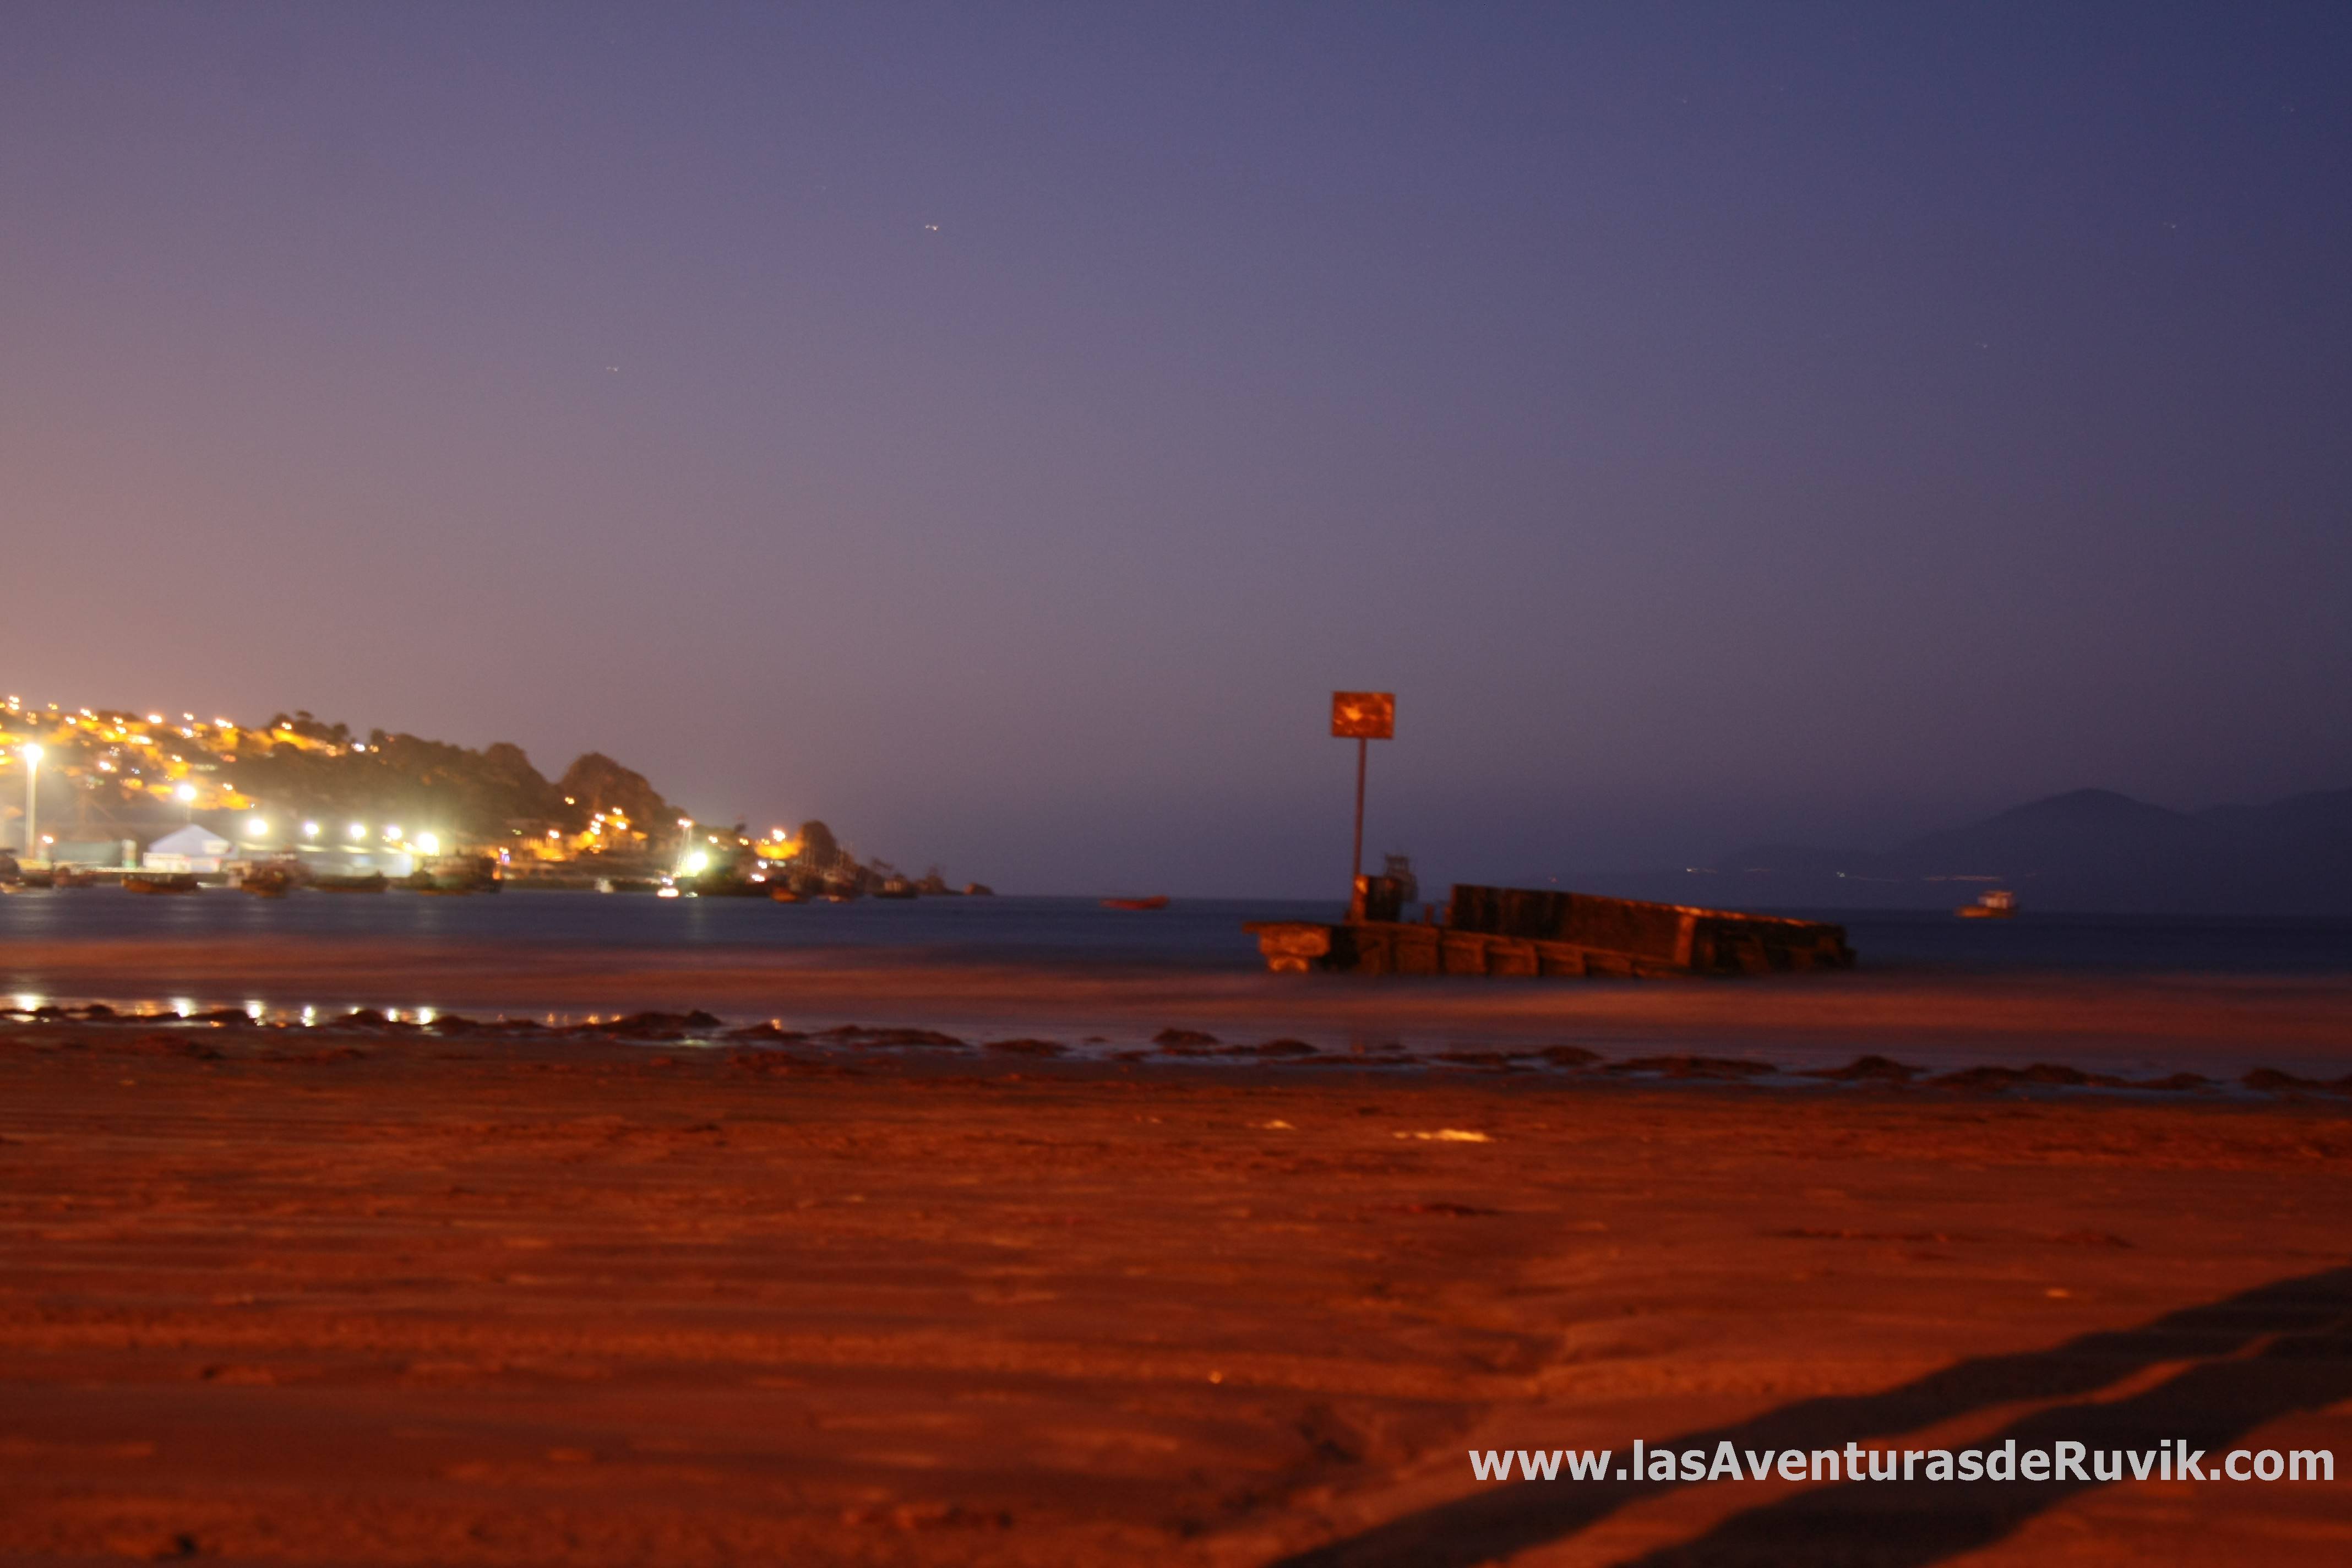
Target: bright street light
<point>257,828</point>
<point>358,830</point>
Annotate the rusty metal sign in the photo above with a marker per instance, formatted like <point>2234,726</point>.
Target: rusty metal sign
<point>1364,715</point>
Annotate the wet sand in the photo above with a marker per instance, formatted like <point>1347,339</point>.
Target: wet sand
<point>334,1296</point>
<point>2143,1025</point>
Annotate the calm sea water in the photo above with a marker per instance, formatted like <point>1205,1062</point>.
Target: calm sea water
<point>1193,932</point>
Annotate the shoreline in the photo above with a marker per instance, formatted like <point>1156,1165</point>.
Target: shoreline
<point>1193,1052</point>
<point>2134,1025</point>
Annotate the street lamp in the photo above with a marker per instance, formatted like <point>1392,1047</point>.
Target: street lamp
<point>32,755</point>
<point>187,793</point>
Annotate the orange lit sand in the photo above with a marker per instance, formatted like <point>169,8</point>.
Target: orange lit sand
<point>300,1296</point>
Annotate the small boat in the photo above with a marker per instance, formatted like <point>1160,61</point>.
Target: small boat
<point>1157,901</point>
<point>895,888</point>
<point>786,893</point>
<point>1999,904</point>
<point>722,884</point>
<point>374,882</point>
<point>455,875</point>
<point>268,883</point>
<point>161,882</point>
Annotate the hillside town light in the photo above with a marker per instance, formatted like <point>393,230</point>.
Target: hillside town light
<point>32,755</point>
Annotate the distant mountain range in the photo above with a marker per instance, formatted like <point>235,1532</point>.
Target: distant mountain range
<point>2093,849</point>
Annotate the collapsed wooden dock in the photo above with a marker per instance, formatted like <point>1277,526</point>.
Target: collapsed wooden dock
<point>1525,931</point>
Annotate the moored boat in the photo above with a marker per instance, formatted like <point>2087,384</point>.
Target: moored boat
<point>267,882</point>
<point>1156,901</point>
<point>159,882</point>
<point>1999,904</point>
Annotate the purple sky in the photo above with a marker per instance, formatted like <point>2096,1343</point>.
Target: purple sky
<point>997,429</point>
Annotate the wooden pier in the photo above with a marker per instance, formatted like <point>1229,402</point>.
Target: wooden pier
<point>1522,931</point>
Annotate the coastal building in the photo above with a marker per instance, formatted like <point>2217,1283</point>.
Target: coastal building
<point>189,849</point>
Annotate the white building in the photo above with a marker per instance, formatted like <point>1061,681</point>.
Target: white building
<point>189,849</point>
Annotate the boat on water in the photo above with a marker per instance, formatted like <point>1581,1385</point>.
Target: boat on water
<point>161,882</point>
<point>267,882</point>
<point>374,882</point>
<point>895,888</point>
<point>786,893</point>
<point>1999,904</point>
<point>721,884</point>
<point>1156,901</point>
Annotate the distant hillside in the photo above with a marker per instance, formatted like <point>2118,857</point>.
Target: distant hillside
<point>299,765</point>
<point>106,775</point>
<point>2092,850</point>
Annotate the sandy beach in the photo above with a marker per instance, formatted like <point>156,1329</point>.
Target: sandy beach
<point>337,1295</point>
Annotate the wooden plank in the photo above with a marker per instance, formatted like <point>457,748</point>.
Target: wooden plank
<point>1418,951</point>
<point>1504,956</point>
<point>1462,953</point>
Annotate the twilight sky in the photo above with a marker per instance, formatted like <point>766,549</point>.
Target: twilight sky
<point>997,429</point>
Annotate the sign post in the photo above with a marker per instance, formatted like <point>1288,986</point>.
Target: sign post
<point>1362,717</point>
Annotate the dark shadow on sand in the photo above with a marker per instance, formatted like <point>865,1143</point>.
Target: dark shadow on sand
<point>2288,1346</point>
